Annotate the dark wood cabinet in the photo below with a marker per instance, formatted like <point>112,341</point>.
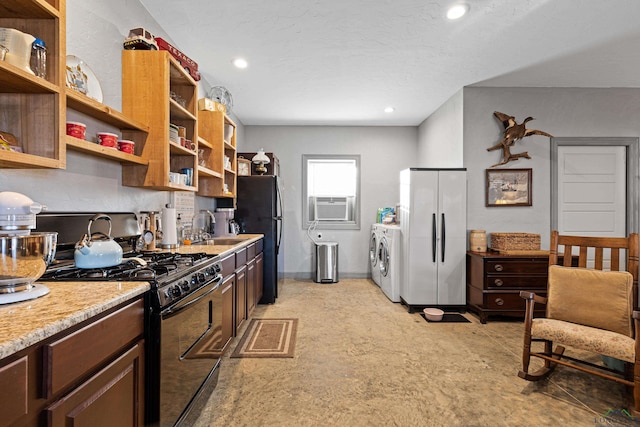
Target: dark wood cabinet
<point>112,397</point>
<point>14,391</point>
<point>242,285</point>
<point>241,296</point>
<point>251,286</point>
<point>494,282</point>
<point>228,329</point>
<point>259,275</point>
<point>89,375</point>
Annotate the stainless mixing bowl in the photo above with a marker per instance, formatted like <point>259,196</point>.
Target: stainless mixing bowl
<point>23,259</point>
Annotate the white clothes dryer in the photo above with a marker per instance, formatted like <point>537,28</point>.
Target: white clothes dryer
<point>374,241</point>
<point>389,254</point>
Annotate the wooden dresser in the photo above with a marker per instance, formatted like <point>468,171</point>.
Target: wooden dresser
<point>494,282</point>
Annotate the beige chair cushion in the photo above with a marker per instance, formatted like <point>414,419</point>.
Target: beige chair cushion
<point>601,299</point>
<point>586,338</point>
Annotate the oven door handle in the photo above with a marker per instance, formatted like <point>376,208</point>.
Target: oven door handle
<point>182,304</point>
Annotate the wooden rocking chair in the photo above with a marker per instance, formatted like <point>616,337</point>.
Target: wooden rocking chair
<point>588,309</point>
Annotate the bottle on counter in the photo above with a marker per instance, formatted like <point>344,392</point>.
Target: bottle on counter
<point>38,61</point>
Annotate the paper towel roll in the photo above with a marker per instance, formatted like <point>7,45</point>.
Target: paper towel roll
<point>169,228</point>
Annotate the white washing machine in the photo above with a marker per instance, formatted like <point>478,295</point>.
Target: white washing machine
<point>389,254</point>
<point>374,241</point>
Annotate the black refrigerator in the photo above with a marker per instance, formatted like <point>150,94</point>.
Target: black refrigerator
<point>259,211</point>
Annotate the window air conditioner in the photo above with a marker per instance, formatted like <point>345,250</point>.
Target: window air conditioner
<point>330,208</point>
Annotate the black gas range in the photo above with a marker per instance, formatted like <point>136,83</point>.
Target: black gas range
<point>172,275</point>
<point>183,333</point>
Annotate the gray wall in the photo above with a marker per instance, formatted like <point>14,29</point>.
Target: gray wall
<point>95,32</point>
<point>384,151</point>
<point>440,136</point>
<point>562,112</point>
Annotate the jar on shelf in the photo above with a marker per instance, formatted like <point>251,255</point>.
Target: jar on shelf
<point>38,61</point>
<point>478,241</point>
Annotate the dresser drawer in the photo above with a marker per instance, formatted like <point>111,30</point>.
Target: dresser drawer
<point>515,282</point>
<point>506,301</point>
<point>519,266</point>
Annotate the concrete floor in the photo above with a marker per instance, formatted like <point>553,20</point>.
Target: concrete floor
<point>361,360</point>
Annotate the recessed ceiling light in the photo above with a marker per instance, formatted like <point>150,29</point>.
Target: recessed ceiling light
<point>457,11</point>
<point>389,110</point>
<point>240,63</point>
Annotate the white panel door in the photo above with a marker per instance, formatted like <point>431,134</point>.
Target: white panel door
<point>422,264</point>
<point>452,237</point>
<point>592,190</point>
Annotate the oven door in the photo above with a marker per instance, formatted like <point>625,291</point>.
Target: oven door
<point>190,348</point>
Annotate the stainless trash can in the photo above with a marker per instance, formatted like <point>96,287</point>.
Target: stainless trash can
<point>326,262</point>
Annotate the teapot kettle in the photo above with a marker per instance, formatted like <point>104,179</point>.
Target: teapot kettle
<point>97,250</point>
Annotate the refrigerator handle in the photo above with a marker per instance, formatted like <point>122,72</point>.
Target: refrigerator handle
<point>279,215</point>
<point>433,237</point>
<point>443,237</point>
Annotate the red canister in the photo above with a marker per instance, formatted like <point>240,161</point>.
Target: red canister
<point>76,129</point>
<point>107,139</point>
<point>126,146</point>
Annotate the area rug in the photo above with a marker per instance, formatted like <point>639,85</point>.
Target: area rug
<point>268,338</point>
<point>448,318</point>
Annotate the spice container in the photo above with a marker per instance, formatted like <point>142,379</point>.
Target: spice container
<point>38,61</point>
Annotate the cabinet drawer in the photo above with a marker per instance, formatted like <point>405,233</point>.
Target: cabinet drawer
<point>515,282</point>
<point>505,301</point>
<point>70,358</point>
<point>112,397</point>
<point>228,265</point>
<point>251,251</point>
<point>520,266</point>
<point>241,257</point>
<point>13,394</point>
<point>259,246</point>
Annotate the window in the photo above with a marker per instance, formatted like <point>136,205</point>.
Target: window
<point>331,187</point>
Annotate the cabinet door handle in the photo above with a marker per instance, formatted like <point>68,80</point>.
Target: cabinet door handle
<point>498,282</point>
<point>443,237</point>
<point>434,230</point>
<point>498,267</point>
<point>499,301</point>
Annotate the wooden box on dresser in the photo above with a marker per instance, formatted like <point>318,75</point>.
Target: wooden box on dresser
<point>494,282</point>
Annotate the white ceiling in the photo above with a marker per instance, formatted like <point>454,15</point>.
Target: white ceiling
<point>341,62</point>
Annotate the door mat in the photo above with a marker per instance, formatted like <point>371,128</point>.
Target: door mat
<point>449,318</point>
<point>268,338</point>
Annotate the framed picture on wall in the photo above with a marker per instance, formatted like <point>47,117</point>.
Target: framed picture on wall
<point>508,187</point>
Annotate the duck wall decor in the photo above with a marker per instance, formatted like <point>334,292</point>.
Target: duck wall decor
<point>513,132</point>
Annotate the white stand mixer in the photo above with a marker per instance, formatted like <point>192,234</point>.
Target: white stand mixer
<point>24,256</point>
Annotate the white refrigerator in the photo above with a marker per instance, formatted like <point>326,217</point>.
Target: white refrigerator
<point>433,220</point>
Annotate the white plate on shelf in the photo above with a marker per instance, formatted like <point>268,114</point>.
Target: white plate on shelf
<point>80,77</point>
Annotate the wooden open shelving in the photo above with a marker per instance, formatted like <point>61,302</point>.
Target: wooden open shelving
<point>131,129</point>
<point>33,107</point>
<point>148,80</point>
<point>216,179</point>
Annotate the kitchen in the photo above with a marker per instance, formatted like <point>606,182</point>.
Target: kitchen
<point>464,120</point>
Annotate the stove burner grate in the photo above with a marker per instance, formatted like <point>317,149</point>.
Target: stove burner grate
<point>158,264</point>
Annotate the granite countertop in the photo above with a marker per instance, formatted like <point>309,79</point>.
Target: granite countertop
<point>68,303</point>
<point>221,250</point>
